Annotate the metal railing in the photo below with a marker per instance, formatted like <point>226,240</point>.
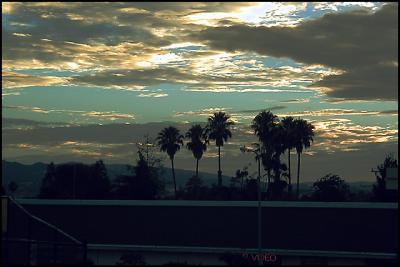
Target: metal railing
<point>29,240</point>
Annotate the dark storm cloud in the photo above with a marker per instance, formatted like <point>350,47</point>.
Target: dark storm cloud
<point>370,82</point>
<point>77,23</point>
<point>362,44</point>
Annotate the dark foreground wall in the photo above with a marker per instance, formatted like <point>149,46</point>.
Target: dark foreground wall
<point>361,227</point>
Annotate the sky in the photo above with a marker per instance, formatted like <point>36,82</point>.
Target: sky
<point>86,81</point>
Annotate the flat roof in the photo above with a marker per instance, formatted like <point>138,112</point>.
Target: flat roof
<point>314,226</point>
<point>196,203</point>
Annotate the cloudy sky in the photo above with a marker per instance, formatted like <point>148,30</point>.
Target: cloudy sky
<point>83,81</point>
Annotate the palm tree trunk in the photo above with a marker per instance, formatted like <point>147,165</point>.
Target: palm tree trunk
<point>298,173</point>
<point>197,168</point>
<point>219,167</point>
<point>290,176</point>
<point>173,175</point>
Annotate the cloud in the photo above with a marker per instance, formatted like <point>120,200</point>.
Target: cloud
<point>205,112</point>
<point>101,115</point>
<point>259,110</point>
<point>204,75</point>
<point>115,133</point>
<point>18,80</point>
<point>331,112</point>
<point>358,42</point>
<point>129,79</point>
<point>110,51</point>
<point>156,95</point>
<point>43,34</point>
<point>341,134</point>
<point>364,83</point>
<point>391,111</point>
<point>304,100</point>
<point>111,115</point>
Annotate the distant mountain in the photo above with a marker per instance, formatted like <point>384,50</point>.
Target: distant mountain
<point>29,177</point>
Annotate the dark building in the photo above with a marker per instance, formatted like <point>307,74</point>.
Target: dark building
<point>204,231</point>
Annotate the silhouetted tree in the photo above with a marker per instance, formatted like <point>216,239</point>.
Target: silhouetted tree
<point>75,180</point>
<point>263,125</point>
<point>288,128</point>
<point>303,137</point>
<point>194,188</point>
<point>276,190</point>
<point>379,188</point>
<point>331,188</point>
<point>218,129</point>
<point>239,178</point>
<point>47,189</point>
<point>99,182</point>
<point>278,140</point>
<point>277,187</point>
<point>197,143</point>
<point>251,189</point>
<point>12,186</point>
<point>170,141</point>
<point>143,183</point>
<point>148,149</point>
<point>122,187</point>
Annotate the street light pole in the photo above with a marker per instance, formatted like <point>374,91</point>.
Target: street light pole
<point>257,152</point>
<point>74,182</point>
<point>259,211</point>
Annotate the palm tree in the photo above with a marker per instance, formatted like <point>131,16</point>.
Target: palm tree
<point>303,136</point>
<point>170,141</point>
<point>218,129</point>
<point>196,134</point>
<point>288,128</point>
<point>263,125</point>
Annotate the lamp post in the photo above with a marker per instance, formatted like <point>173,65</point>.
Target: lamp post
<point>257,151</point>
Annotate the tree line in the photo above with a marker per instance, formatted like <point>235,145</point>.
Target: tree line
<point>144,181</point>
